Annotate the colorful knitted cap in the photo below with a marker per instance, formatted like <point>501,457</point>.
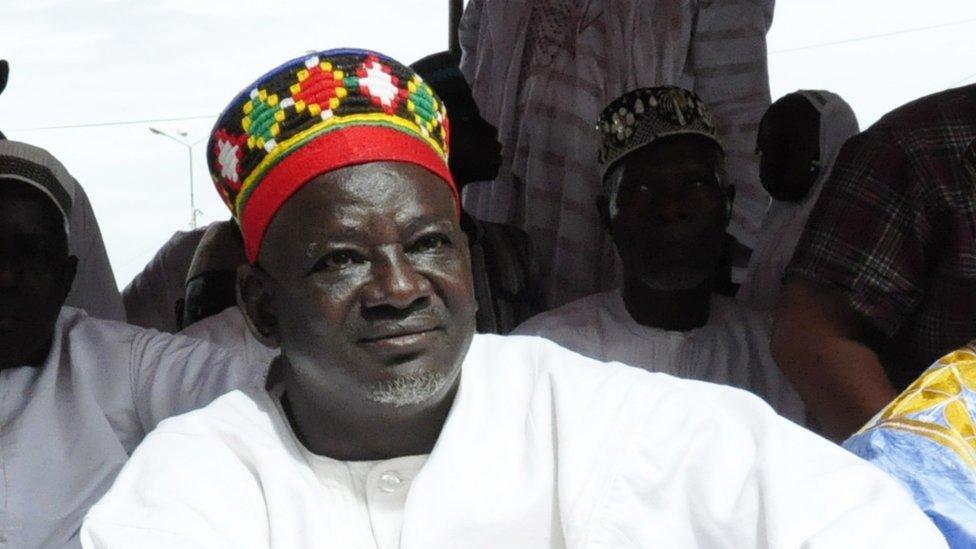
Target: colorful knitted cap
<point>316,114</point>
<point>640,117</point>
<point>39,169</point>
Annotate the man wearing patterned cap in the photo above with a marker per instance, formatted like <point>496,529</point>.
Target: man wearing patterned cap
<point>389,423</point>
<point>666,203</point>
<point>78,393</point>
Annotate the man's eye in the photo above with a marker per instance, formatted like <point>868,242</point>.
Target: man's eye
<point>337,260</point>
<point>431,242</point>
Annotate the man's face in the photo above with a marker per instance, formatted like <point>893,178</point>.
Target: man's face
<point>370,292</point>
<point>670,212</point>
<point>35,273</point>
<point>789,142</point>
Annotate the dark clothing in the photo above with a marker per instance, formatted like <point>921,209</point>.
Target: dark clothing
<point>505,275</point>
<point>895,230</point>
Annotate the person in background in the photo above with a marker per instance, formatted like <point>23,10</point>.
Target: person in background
<point>506,278</point>
<point>211,283</point>
<point>78,393</point>
<point>926,438</point>
<point>799,138</point>
<point>152,298</point>
<point>393,424</point>
<point>213,309</point>
<point>884,277</point>
<point>94,288</point>
<point>666,203</point>
<point>542,71</point>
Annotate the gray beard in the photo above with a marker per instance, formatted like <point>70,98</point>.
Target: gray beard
<point>407,390</point>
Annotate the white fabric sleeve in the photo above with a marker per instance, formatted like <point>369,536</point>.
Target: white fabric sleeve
<point>745,477</point>
<point>175,509</point>
<point>173,374</point>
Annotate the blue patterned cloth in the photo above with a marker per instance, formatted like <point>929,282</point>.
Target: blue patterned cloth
<point>927,440</point>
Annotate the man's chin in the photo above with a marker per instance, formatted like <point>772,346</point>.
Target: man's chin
<point>674,281</point>
<point>408,390</point>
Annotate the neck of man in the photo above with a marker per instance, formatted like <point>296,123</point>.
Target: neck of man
<point>678,310</point>
<point>332,426</point>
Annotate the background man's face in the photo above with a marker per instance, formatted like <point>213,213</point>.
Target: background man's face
<point>35,273</point>
<point>789,141</point>
<point>671,213</point>
<point>372,291</point>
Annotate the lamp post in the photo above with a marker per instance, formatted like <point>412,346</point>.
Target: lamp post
<point>189,153</point>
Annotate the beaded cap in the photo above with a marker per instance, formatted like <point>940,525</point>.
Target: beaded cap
<point>315,114</point>
<point>641,116</point>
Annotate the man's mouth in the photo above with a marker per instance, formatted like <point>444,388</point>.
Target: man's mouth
<point>400,340</point>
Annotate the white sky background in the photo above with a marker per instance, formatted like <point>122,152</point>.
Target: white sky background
<point>92,61</point>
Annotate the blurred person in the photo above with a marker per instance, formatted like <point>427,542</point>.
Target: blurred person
<point>883,279</point>
<point>666,203</point>
<point>506,278</point>
<point>153,297</point>
<point>79,393</point>
<point>799,138</point>
<point>542,71</point>
<point>211,283</point>
<point>394,425</point>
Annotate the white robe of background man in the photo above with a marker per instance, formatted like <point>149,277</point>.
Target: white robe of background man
<point>732,348</point>
<point>542,448</point>
<point>67,426</point>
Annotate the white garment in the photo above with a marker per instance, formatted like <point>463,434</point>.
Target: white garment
<point>94,288</point>
<point>374,492</point>
<point>229,330</point>
<point>542,72</point>
<point>731,349</point>
<point>542,448</point>
<point>68,426</point>
<point>785,221</point>
<point>150,298</point>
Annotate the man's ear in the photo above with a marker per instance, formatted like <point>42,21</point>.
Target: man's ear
<point>603,208</point>
<point>730,192</point>
<point>254,297</point>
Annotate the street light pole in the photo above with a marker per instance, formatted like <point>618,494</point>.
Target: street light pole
<point>189,151</point>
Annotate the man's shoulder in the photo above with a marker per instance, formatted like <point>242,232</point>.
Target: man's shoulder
<point>931,121</point>
<point>243,414</point>
<point>574,315</point>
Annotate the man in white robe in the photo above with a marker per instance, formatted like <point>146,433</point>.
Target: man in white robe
<point>77,394</point>
<point>541,71</point>
<point>665,204</point>
<point>391,424</point>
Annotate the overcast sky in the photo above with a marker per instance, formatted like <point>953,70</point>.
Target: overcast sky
<point>76,62</point>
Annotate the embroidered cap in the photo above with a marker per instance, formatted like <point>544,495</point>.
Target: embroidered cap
<point>39,169</point>
<point>640,117</point>
<point>315,114</point>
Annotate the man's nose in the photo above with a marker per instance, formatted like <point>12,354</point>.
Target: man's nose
<point>395,282</point>
<point>10,272</point>
<point>671,209</point>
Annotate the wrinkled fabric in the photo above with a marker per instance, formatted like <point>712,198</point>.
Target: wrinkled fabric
<point>732,348</point>
<point>229,330</point>
<point>94,288</point>
<point>68,425</point>
<point>785,221</point>
<point>542,448</point>
<point>926,439</point>
<point>542,71</point>
<point>150,298</point>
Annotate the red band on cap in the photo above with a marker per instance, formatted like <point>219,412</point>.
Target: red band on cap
<point>328,152</point>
